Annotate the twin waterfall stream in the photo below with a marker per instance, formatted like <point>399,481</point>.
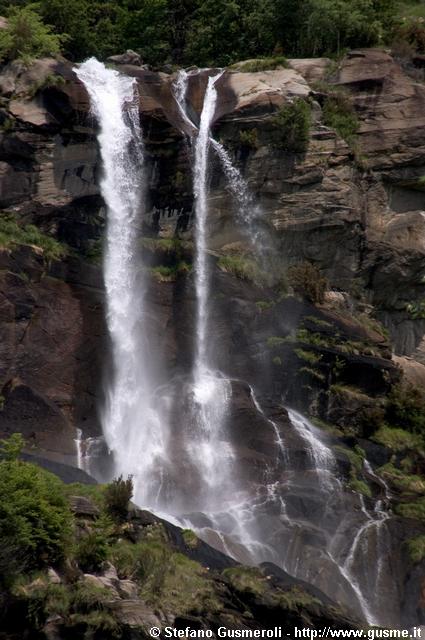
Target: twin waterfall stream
<point>190,472</point>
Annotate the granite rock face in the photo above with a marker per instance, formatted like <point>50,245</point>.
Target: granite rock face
<point>356,212</point>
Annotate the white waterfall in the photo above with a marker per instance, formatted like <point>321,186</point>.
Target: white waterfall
<point>320,455</point>
<point>211,392</point>
<point>201,211</point>
<point>131,424</point>
<point>135,424</point>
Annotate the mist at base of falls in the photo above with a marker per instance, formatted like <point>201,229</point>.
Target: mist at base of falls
<point>176,436</point>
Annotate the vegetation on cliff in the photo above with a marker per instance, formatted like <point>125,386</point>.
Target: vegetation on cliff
<point>204,32</point>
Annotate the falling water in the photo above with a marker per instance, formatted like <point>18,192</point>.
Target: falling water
<point>202,279</point>
<point>320,455</point>
<point>131,424</point>
<point>133,421</point>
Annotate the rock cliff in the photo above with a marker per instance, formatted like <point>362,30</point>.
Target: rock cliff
<point>352,208</point>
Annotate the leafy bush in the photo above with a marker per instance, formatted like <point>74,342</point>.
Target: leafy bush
<point>415,510</point>
<point>246,580</point>
<point>35,520</point>
<point>416,309</point>
<point>249,138</point>
<point>49,81</point>
<point>11,448</point>
<point>190,538</point>
<point>91,551</point>
<point>360,487</point>
<point>308,356</point>
<point>406,408</point>
<point>416,548</point>
<point>164,273</point>
<point>261,64</point>
<point>339,114</point>
<point>117,495</point>
<point>244,268</point>
<point>395,439</point>
<point>409,36</point>
<point>11,234</point>
<point>87,596</point>
<point>306,280</point>
<point>275,341</point>
<point>292,125</point>
<point>43,599</point>
<point>26,36</point>
<point>401,480</point>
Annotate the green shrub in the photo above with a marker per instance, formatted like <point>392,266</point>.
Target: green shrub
<point>308,356</point>
<point>244,268</point>
<point>35,520</point>
<point>360,487</point>
<point>275,341</point>
<point>117,496</point>
<point>307,281</point>
<point>416,549</point>
<point>354,456</point>
<point>339,114</point>
<point>249,138</point>
<point>43,600</point>
<point>402,480</point>
<point>91,551</point>
<point>277,361</point>
<point>163,273</point>
<point>406,408</point>
<point>246,579</point>
<point>11,448</point>
<point>48,82</point>
<point>291,126</point>
<point>11,234</point>
<point>416,309</point>
<point>87,596</point>
<point>190,538</point>
<point>260,64</point>
<point>25,36</point>
<point>415,510</point>
<point>397,440</point>
<point>314,373</point>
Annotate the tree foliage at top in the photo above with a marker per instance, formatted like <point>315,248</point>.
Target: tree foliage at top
<point>26,36</point>
<point>202,32</point>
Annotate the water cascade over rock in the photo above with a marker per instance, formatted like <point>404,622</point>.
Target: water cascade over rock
<point>179,437</point>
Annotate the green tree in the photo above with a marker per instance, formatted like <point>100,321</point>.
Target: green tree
<point>214,33</point>
<point>143,25</point>
<point>11,448</point>
<point>35,520</point>
<point>292,126</point>
<point>26,36</point>
<point>75,19</point>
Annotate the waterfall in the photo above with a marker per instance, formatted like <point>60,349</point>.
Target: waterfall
<point>320,455</point>
<point>192,465</point>
<point>201,210</point>
<point>131,424</point>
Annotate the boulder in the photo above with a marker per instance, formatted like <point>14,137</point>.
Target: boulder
<point>129,57</point>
